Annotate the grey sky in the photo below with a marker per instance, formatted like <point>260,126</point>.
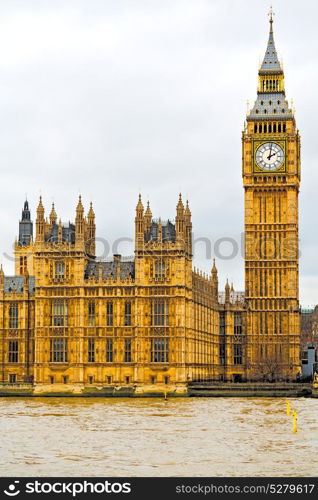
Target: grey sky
<point>109,97</point>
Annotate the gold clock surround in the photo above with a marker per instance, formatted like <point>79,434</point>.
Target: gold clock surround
<point>260,141</point>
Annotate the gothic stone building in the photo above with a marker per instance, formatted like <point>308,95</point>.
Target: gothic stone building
<point>72,323</point>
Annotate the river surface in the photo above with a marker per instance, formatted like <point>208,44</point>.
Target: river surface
<point>151,437</point>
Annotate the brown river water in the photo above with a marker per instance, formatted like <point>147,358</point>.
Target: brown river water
<point>153,437</point>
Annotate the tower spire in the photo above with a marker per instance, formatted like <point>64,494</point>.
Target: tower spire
<point>271,102</point>
<point>53,215</point>
<point>270,61</point>
<point>271,20</point>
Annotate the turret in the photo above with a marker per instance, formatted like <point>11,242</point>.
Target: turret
<point>215,281</point>
<point>227,292</point>
<point>139,223</point>
<point>79,221</point>
<point>148,218</point>
<point>60,232</point>
<point>53,216</point>
<point>91,231</point>
<point>25,226</point>
<point>188,227</point>
<point>180,222</point>
<point>40,222</point>
<point>159,230</point>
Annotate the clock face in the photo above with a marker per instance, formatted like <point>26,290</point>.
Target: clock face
<point>269,156</point>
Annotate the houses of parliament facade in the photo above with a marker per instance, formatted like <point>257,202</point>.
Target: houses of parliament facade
<point>71,323</point>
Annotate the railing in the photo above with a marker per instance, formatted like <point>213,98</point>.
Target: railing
<point>17,385</point>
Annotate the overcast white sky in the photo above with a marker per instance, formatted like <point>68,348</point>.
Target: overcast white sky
<point>109,97</point>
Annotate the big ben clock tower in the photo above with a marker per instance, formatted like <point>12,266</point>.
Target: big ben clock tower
<point>271,177</point>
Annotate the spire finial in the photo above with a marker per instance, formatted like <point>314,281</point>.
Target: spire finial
<point>139,207</point>
<point>271,14</point>
<point>91,213</point>
<point>180,206</point>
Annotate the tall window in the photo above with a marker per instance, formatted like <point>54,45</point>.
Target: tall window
<point>160,316</point>
<point>109,351</point>
<point>222,352</point>
<point>160,269</point>
<point>160,351</point>
<point>91,350</point>
<point>109,314</point>
<point>91,314</point>
<point>127,313</point>
<point>59,270</point>
<point>13,315</point>
<point>13,351</point>
<point>222,323</point>
<point>238,328</point>
<point>58,351</point>
<point>23,265</point>
<point>127,350</point>
<point>238,354</point>
<point>60,313</point>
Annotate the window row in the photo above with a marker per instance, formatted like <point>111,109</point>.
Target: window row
<point>269,128</point>
<point>59,351</point>
<point>271,84</point>
<point>160,313</point>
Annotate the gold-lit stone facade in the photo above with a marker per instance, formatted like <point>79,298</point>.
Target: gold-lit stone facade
<point>71,323</point>
<point>271,176</point>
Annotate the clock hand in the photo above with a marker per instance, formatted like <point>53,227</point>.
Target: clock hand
<point>270,156</point>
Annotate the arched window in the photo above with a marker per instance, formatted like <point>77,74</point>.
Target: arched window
<point>255,128</point>
<point>270,128</point>
<point>279,128</point>
<point>260,129</point>
<point>274,128</point>
<point>265,128</point>
<point>284,127</point>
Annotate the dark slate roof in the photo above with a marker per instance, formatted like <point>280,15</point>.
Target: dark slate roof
<point>16,284</point>
<point>168,232</point>
<point>270,106</point>
<point>127,269</point>
<point>68,233</point>
<point>270,61</point>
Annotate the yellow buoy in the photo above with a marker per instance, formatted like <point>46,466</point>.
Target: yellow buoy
<point>288,408</point>
<point>294,421</point>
